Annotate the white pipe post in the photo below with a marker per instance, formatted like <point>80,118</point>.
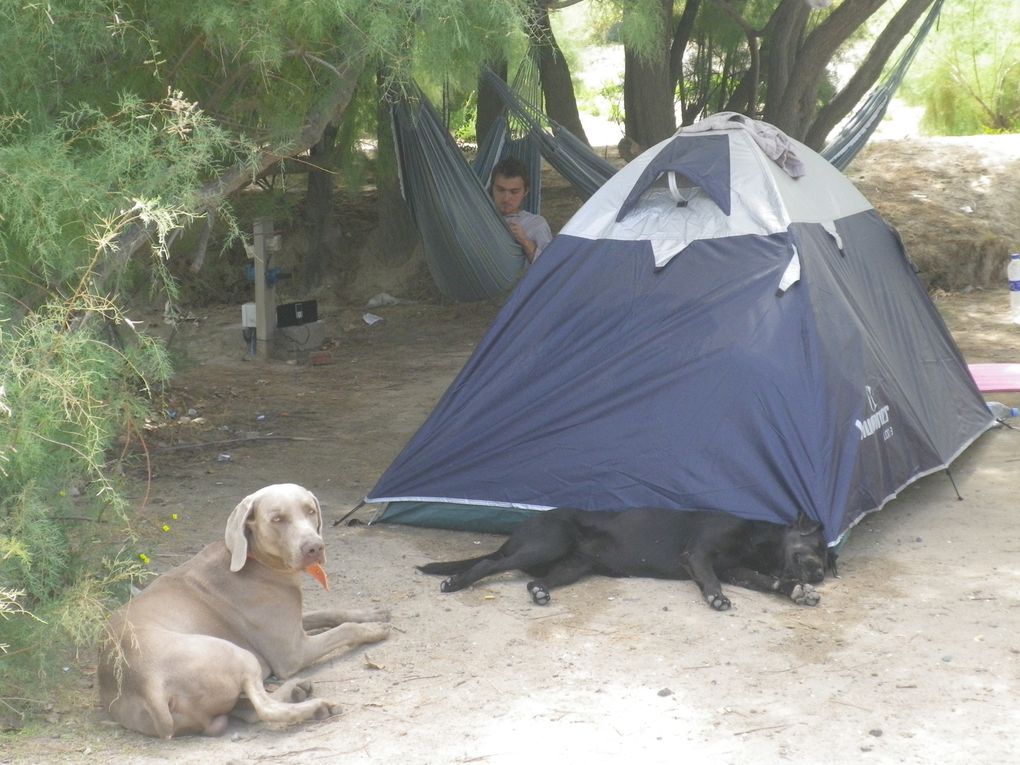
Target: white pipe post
<point>265,294</point>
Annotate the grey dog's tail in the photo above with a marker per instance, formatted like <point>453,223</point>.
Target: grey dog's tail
<point>450,566</point>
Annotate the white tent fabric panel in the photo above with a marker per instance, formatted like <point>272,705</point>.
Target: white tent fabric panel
<point>764,200</point>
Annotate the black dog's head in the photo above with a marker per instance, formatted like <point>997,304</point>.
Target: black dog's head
<point>804,551</point>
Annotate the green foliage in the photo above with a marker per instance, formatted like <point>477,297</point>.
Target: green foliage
<point>612,94</point>
<point>462,120</point>
<point>968,74</point>
<point>69,391</point>
<point>10,605</point>
<point>642,28</point>
<point>360,123</point>
<point>116,119</point>
<point>57,630</point>
<point>75,376</point>
<point>68,394</point>
<point>257,66</point>
<point>67,191</point>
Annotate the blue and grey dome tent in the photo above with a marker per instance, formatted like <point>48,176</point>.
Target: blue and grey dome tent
<point>728,324</point>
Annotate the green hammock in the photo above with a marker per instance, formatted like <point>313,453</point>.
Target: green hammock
<point>469,250</point>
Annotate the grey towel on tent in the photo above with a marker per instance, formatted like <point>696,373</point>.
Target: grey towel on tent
<point>773,141</point>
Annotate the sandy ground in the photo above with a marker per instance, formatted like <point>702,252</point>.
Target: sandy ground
<point>913,655</point>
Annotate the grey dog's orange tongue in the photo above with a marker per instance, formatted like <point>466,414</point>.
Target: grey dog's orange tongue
<point>318,573</point>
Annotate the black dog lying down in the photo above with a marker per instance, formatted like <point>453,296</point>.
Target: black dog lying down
<point>563,545</point>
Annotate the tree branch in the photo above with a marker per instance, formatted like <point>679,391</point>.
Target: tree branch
<point>733,13</point>
<point>681,39</point>
<point>329,108</point>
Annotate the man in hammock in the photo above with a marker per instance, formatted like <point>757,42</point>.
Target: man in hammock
<point>510,185</point>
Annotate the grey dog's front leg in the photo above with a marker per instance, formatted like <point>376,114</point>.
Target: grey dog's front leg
<point>313,621</point>
<point>343,638</point>
<point>310,648</point>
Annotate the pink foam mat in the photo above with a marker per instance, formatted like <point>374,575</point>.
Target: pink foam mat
<point>996,377</point>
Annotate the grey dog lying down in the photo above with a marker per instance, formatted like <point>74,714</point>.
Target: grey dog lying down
<point>178,657</point>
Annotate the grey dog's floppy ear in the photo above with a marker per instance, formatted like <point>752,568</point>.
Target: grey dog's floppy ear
<point>318,509</point>
<point>234,535</point>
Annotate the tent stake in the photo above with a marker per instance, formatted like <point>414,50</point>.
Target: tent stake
<point>357,507</point>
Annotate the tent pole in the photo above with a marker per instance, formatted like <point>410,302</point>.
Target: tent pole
<point>949,473</point>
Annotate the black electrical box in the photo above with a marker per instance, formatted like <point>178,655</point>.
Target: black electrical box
<point>296,314</point>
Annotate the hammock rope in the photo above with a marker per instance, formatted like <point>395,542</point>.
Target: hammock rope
<point>571,157</point>
<point>509,136</point>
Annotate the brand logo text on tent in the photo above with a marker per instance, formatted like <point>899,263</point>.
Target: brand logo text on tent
<point>878,420</point>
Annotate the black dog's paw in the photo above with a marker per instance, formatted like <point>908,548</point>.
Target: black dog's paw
<point>539,593</point>
<point>448,585</point>
<point>719,602</point>
<point>805,595</point>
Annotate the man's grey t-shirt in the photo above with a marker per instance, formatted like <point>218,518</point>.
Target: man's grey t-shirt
<point>535,227</point>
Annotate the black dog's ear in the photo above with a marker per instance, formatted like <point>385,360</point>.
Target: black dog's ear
<point>807,525</point>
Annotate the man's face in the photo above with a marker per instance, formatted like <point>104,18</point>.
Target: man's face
<point>508,193</point>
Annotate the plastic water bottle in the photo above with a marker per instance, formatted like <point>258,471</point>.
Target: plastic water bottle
<point>1001,411</point>
<point>1013,274</point>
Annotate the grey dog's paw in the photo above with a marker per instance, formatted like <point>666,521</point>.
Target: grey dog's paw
<point>327,709</point>
<point>301,690</point>
<point>805,595</point>
<point>373,632</point>
<point>294,691</point>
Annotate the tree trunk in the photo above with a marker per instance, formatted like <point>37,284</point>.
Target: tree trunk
<point>681,39</point>
<point>682,32</point>
<point>649,110</point>
<point>330,108</point>
<point>744,98</point>
<point>560,102</point>
<point>783,35</point>
<point>794,105</point>
<point>489,104</point>
<point>319,205</point>
<point>867,74</point>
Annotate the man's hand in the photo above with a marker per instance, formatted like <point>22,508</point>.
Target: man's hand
<point>522,239</point>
